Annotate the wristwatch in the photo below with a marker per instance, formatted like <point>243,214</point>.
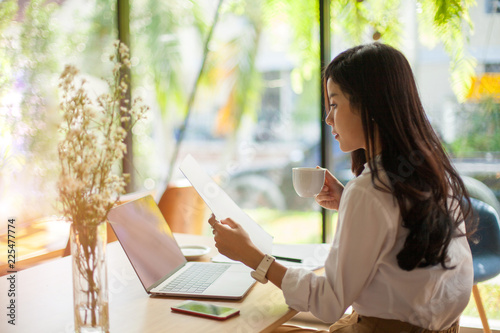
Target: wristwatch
<point>260,273</point>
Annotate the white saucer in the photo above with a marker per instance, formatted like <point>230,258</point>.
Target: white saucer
<point>193,252</point>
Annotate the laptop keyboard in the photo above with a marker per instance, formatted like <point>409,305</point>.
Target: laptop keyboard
<point>196,278</point>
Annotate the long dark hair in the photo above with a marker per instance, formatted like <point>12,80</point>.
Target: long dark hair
<point>432,198</point>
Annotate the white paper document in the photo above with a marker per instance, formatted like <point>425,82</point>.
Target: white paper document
<point>222,205</point>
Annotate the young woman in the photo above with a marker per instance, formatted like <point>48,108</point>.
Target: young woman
<point>400,256</point>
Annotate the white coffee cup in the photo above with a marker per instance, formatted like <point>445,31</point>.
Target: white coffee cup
<point>308,182</point>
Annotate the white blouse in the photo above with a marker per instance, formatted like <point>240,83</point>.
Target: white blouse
<point>361,269</point>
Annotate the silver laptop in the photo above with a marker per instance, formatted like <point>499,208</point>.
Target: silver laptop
<point>159,263</point>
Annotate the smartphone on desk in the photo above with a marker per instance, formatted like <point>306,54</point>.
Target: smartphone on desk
<point>206,310</point>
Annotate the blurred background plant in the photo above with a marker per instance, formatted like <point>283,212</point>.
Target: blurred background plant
<point>480,127</point>
<point>29,113</point>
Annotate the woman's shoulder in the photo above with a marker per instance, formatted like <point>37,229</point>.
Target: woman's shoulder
<point>366,189</point>
<point>362,201</point>
<point>364,182</point>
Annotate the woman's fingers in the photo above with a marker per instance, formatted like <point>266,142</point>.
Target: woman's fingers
<point>330,178</point>
<point>226,224</point>
<point>212,220</point>
<point>331,192</point>
<point>229,222</point>
<point>231,240</point>
<point>226,227</point>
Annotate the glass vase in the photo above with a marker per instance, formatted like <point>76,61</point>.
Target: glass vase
<point>90,280</point>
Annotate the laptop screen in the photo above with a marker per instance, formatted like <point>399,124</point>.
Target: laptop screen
<point>146,239</point>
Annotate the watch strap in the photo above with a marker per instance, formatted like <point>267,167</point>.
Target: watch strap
<point>260,273</point>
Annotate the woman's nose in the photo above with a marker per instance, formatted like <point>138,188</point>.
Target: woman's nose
<point>329,119</point>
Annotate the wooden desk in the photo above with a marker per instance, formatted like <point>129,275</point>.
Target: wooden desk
<point>44,301</point>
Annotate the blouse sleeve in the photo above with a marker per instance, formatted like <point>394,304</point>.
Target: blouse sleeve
<point>365,232</point>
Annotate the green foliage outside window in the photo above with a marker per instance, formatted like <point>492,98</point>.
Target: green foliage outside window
<point>480,128</point>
